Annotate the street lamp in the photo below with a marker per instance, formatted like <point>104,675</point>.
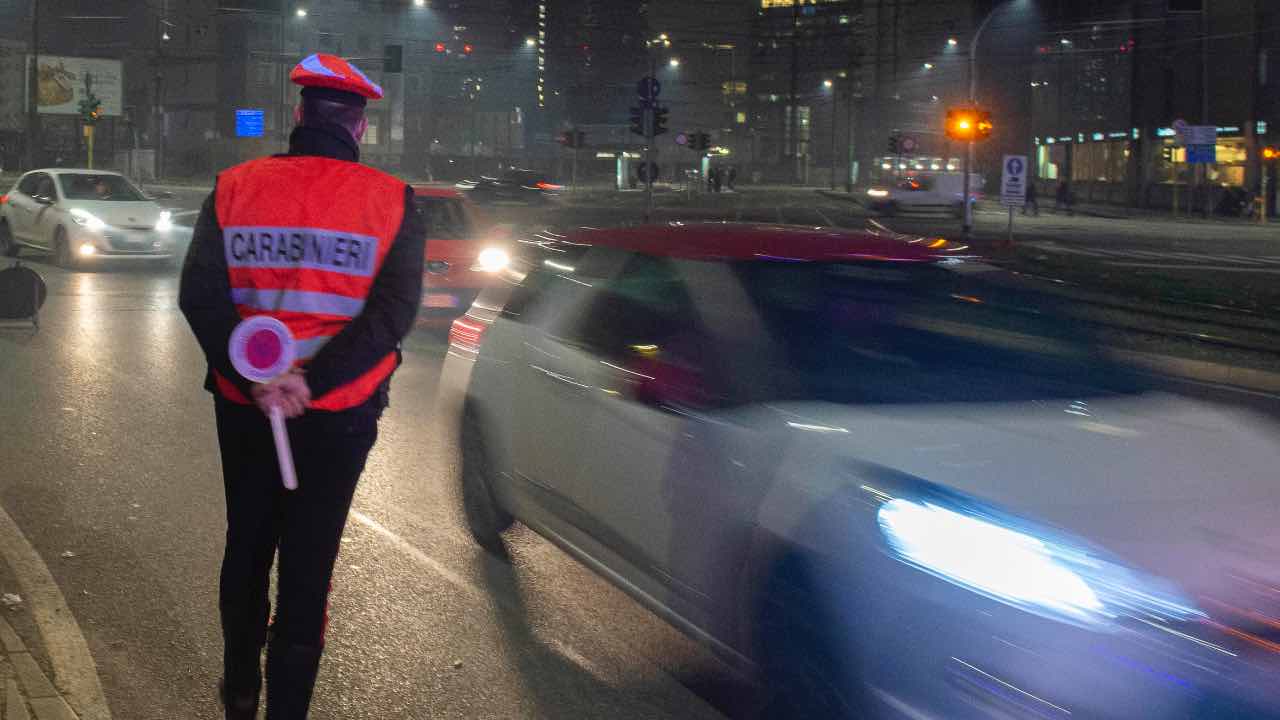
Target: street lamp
<point>927,66</point>
<point>419,3</point>
<point>827,84</point>
<point>674,62</point>
<point>952,42</point>
<point>300,12</point>
<point>530,42</point>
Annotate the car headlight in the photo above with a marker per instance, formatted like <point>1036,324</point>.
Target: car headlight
<point>492,260</point>
<point>87,219</point>
<point>165,223</point>
<point>1028,568</point>
<point>878,193</point>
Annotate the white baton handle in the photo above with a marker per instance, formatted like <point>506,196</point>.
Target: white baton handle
<point>284,453</point>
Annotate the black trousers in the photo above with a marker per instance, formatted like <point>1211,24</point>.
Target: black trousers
<point>304,526</point>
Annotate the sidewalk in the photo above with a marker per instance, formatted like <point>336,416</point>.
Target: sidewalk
<point>25,690</point>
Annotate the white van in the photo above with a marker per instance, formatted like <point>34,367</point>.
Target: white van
<point>936,192</point>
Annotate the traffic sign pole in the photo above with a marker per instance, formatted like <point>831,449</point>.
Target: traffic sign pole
<point>651,97</point>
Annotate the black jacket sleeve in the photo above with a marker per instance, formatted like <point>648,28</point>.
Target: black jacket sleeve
<point>205,295</point>
<point>388,313</point>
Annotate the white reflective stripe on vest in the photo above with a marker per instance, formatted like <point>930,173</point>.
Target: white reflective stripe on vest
<point>299,301</point>
<point>307,349</point>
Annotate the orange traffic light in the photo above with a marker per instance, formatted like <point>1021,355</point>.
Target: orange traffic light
<point>1270,153</point>
<point>968,124</point>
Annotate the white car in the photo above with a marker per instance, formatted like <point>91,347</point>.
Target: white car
<point>84,216</point>
<point>926,192</point>
<point>892,482</point>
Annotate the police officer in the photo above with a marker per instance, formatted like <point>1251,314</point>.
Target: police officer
<point>334,249</point>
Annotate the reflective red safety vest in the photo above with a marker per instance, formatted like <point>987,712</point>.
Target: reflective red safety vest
<point>304,238</point>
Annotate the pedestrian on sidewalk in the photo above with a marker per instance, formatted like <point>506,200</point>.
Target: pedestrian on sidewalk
<point>1031,200</point>
<point>333,249</point>
<point>1062,198</point>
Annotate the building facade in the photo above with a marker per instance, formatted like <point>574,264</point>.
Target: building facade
<point>1112,79</point>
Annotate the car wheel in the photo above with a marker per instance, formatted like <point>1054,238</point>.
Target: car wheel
<point>485,518</point>
<point>806,676</point>
<point>8,245</point>
<point>62,250</point>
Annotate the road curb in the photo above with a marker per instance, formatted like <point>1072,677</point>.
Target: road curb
<point>75,674</point>
<point>29,693</point>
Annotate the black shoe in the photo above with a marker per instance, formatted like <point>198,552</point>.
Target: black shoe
<point>237,706</point>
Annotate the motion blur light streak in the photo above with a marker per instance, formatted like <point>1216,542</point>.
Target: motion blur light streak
<point>817,428</point>
<point>1054,579</point>
<point>993,560</point>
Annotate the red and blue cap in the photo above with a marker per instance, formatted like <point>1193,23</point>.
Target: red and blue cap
<point>332,73</point>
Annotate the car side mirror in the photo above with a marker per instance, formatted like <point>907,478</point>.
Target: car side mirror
<point>437,267</point>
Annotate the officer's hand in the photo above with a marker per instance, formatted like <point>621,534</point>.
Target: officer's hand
<point>295,394</point>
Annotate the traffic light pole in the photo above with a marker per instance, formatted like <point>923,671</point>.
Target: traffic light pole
<point>973,102</point>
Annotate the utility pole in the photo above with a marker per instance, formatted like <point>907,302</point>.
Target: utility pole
<point>794,109</point>
<point>835,95</point>
<point>33,100</point>
<point>1204,99</point>
<point>649,163</point>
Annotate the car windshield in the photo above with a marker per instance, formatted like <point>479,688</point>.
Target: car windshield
<point>104,188</point>
<point>445,217</point>
<point>880,333</point>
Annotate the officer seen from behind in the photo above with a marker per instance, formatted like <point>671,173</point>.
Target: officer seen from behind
<point>333,249</point>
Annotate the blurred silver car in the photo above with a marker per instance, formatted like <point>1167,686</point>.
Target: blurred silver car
<point>83,217</point>
<point>890,482</point>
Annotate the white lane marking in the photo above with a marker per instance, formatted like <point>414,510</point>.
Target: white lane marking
<point>75,673</point>
<point>408,548</point>
<point>471,588</point>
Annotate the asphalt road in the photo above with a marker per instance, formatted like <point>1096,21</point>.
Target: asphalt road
<point>108,453</point>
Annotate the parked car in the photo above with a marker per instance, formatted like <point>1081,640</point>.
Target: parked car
<point>889,480</point>
<point>525,186</point>
<point>84,217</point>
<point>926,192</point>
<point>464,252</point>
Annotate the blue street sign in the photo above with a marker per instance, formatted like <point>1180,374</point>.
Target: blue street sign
<point>1014,166</point>
<point>1202,153</point>
<point>249,123</point>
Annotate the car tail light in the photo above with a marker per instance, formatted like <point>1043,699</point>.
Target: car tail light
<point>548,186</point>
<point>466,333</point>
<point>4,198</point>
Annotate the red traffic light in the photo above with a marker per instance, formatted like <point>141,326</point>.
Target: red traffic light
<point>440,47</point>
<point>466,49</point>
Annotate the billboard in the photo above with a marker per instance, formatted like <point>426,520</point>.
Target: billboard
<point>65,81</point>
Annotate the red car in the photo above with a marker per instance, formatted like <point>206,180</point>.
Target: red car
<point>465,251</point>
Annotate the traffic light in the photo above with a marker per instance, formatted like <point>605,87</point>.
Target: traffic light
<point>1270,153</point>
<point>637,120</point>
<point>893,144</point>
<point>969,124</point>
<point>441,47</point>
<point>467,48</point>
<point>660,120</point>
<point>90,109</point>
